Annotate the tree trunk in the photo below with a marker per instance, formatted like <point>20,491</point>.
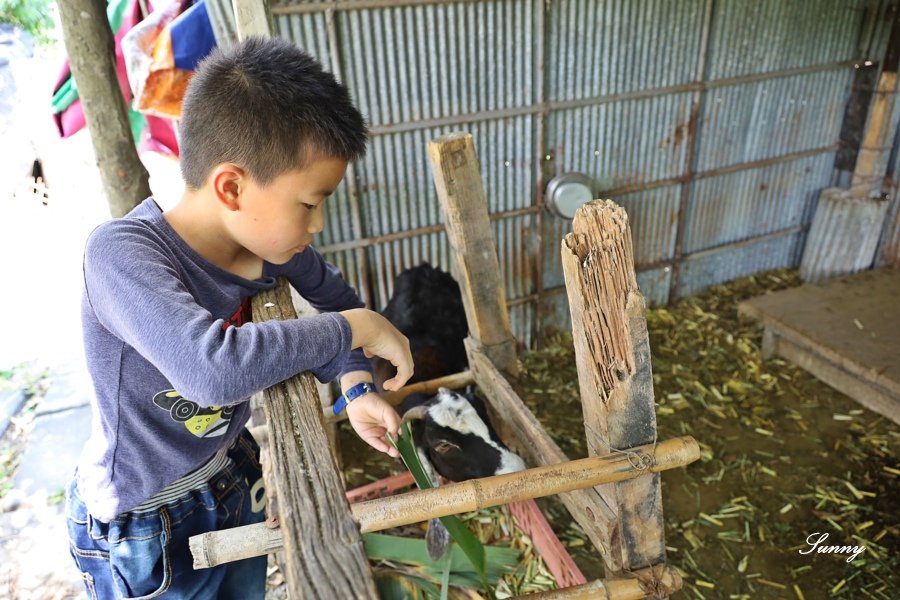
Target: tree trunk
<point>91,49</point>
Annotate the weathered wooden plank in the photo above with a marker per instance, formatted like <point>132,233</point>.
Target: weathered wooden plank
<point>876,143</point>
<point>457,178</point>
<point>324,553</point>
<point>422,505</point>
<point>865,391</point>
<point>326,398</point>
<point>588,509</point>
<point>614,375</point>
<point>850,322</point>
<point>251,18</point>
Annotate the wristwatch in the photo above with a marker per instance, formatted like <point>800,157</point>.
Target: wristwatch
<point>352,394</point>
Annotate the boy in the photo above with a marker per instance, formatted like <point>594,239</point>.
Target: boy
<point>266,136</point>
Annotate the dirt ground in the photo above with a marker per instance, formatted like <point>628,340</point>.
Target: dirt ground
<point>783,457</point>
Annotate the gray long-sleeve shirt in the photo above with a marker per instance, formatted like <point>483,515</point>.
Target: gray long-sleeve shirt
<point>174,358</point>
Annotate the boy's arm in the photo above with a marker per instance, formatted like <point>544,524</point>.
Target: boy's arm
<point>320,282</point>
<point>323,286</point>
<point>137,293</point>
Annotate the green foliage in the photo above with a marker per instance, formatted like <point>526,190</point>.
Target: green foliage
<point>33,16</point>
<point>57,497</point>
<point>411,551</point>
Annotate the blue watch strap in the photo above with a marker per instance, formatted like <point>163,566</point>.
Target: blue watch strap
<point>352,394</point>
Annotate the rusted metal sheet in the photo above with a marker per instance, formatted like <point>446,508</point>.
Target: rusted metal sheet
<point>654,285</point>
<point>752,203</point>
<point>553,231</point>
<point>704,269</point>
<point>653,217</point>
<point>601,47</point>
<point>349,264</point>
<point>555,314</point>
<point>622,143</point>
<point>395,185</point>
<point>712,122</point>
<point>755,121</point>
<point>413,63</point>
<point>309,32</point>
<point>843,236</point>
<point>751,36</point>
<point>522,323</point>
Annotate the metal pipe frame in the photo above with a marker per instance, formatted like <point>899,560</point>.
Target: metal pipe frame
<point>546,106</point>
<point>540,109</point>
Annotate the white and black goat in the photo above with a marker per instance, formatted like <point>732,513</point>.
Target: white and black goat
<point>454,438</point>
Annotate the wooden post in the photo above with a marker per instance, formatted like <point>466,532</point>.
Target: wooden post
<point>89,44</point>
<point>613,360</point>
<point>461,193</point>
<point>325,557</point>
<point>421,505</point>
<point>590,511</point>
<point>326,398</point>
<point>251,18</point>
<point>871,162</point>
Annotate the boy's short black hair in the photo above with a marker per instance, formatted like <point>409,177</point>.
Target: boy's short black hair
<point>267,106</point>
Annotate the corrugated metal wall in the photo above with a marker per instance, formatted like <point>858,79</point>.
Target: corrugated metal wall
<point>715,123</point>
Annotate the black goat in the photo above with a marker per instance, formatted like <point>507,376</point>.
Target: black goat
<point>427,308</point>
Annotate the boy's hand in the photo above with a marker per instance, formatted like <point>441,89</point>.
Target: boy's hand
<point>377,337</point>
<point>372,417</point>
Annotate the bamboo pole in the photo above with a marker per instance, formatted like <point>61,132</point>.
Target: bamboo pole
<point>475,494</point>
<point>219,547</point>
<point>423,505</point>
<point>658,581</point>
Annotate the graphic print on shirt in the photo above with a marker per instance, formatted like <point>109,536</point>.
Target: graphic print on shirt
<point>202,422</point>
<point>243,314</point>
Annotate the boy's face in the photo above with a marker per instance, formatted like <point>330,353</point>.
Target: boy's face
<point>278,220</point>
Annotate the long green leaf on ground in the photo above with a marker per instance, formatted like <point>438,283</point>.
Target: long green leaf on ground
<point>469,544</point>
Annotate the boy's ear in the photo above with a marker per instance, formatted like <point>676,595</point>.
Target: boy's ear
<point>227,182</point>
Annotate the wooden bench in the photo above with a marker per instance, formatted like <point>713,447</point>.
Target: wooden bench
<point>845,331</point>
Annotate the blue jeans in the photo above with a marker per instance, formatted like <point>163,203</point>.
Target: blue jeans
<point>146,554</point>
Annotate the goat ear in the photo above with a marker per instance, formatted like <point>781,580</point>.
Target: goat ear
<point>443,446</point>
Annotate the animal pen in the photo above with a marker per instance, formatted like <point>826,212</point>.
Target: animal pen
<point>714,124</point>
<point>614,494</point>
<point>683,193</point>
